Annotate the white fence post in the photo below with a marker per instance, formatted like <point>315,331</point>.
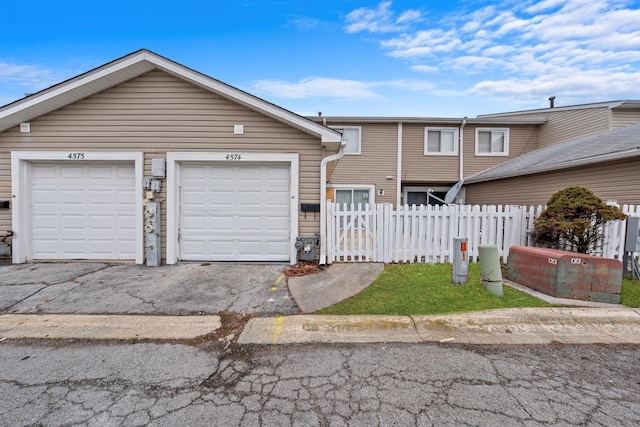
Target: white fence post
<point>424,233</point>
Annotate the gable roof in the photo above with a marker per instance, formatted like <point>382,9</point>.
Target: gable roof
<point>613,145</point>
<point>133,65</point>
<point>630,103</point>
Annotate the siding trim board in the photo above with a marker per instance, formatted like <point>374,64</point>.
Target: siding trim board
<point>21,189</point>
<point>176,159</point>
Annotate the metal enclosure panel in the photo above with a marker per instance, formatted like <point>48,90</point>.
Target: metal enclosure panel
<point>152,235</point>
<point>460,260</point>
<point>566,274</point>
<point>632,240</point>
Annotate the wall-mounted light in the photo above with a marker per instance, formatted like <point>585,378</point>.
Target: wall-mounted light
<point>389,177</point>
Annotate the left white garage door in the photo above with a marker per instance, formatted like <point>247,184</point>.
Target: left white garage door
<point>83,211</point>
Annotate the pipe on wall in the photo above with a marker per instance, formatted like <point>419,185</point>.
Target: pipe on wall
<point>323,200</point>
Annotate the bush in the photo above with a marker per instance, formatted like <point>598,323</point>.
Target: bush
<point>573,220</point>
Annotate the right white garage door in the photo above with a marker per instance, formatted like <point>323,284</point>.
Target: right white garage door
<point>234,212</point>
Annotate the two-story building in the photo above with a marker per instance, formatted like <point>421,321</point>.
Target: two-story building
<point>418,160</point>
<point>236,178</point>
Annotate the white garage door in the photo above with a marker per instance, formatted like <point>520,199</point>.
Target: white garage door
<point>83,211</point>
<point>234,213</point>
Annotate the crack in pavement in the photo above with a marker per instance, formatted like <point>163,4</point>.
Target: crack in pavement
<point>402,384</point>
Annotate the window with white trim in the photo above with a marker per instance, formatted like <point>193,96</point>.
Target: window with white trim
<point>352,135</point>
<point>345,194</point>
<point>440,141</point>
<point>352,195</point>
<point>492,142</point>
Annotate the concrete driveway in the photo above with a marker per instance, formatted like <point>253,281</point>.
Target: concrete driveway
<point>187,288</point>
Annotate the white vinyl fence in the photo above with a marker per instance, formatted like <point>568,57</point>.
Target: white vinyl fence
<point>380,233</point>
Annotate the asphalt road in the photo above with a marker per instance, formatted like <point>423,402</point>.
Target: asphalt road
<point>72,383</point>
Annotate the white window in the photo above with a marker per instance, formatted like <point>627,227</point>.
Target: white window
<point>352,195</point>
<point>352,135</point>
<point>424,195</point>
<point>492,142</point>
<point>441,141</point>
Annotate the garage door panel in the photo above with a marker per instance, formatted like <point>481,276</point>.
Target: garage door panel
<point>83,211</point>
<point>235,212</point>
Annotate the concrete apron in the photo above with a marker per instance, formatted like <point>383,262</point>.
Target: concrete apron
<point>511,326</point>
<point>106,327</point>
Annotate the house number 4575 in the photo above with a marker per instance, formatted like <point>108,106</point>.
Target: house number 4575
<point>75,156</point>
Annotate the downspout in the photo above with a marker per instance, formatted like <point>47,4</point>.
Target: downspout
<point>323,200</point>
<point>399,172</point>
<point>461,151</point>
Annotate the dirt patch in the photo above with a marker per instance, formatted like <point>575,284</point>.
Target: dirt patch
<point>302,269</point>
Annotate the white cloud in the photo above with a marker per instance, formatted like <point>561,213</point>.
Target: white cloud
<point>29,76</point>
<point>523,47</point>
<point>380,19</point>
<point>588,84</point>
<point>339,89</point>
<point>316,86</point>
<point>303,23</point>
<point>424,68</point>
<point>544,5</point>
<point>409,16</point>
<point>422,43</point>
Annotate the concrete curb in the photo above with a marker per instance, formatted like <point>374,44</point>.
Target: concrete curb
<point>511,326</point>
<point>106,327</point>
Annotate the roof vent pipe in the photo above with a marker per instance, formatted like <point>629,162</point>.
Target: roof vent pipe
<point>552,101</point>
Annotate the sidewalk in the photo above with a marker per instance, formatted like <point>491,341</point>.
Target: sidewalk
<point>106,326</point>
<point>507,326</point>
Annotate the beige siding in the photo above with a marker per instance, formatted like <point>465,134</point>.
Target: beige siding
<point>378,159</point>
<point>156,113</point>
<point>522,139</point>
<point>564,125</point>
<point>418,168</point>
<point>610,181</point>
<point>625,117</point>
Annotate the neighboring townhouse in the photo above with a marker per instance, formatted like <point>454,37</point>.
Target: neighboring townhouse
<point>576,121</point>
<point>418,160</point>
<point>230,171</point>
<point>607,163</point>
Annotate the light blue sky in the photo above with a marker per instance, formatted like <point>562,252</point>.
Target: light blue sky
<point>351,57</point>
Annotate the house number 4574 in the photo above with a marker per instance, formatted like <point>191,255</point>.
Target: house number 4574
<point>233,157</point>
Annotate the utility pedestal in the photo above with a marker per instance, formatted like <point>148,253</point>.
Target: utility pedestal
<point>460,261</point>
<point>152,248</point>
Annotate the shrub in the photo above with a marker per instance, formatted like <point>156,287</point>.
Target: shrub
<point>574,220</point>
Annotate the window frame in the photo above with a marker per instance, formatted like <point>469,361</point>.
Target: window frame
<point>456,140</point>
<point>422,189</point>
<point>360,187</point>
<point>340,129</point>
<point>503,153</point>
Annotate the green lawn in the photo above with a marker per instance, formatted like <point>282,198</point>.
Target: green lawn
<point>630,293</point>
<point>427,289</point>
